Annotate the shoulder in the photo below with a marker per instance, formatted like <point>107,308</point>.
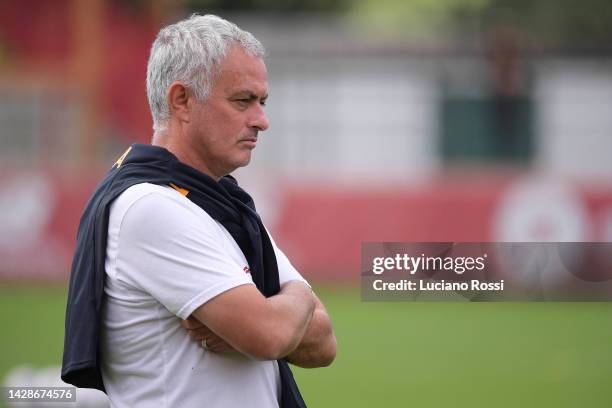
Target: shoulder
<point>146,193</point>
<point>149,207</point>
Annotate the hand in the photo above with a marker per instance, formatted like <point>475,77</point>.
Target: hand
<point>199,332</point>
<point>318,346</point>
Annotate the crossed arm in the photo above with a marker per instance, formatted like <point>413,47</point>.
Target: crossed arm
<point>318,345</point>
<point>292,324</point>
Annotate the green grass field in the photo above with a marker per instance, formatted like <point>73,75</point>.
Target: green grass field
<point>404,354</point>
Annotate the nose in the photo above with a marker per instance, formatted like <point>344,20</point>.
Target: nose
<point>258,120</point>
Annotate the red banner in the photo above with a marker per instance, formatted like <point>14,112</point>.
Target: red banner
<point>321,229</point>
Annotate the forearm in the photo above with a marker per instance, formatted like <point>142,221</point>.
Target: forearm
<point>318,346</point>
<point>293,308</point>
<point>263,328</point>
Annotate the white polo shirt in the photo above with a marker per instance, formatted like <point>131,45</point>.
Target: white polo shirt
<point>165,258</point>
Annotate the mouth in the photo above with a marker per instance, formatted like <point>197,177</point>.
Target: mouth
<point>249,141</point>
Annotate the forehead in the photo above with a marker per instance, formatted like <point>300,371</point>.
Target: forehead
<point>241,71</point>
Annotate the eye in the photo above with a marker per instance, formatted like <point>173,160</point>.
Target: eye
<point>262,102</point>
<point>243,103</point>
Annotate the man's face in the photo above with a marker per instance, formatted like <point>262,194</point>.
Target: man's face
<point>223,129</point>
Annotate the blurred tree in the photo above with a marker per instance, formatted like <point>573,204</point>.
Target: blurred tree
<point>550,22</point>
<point>568,23</point>
<point>270,5</point>
<point>414,17</point>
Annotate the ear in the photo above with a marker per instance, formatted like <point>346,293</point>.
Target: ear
<point>179,101</point>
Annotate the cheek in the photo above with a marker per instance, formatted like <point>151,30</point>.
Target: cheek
<point>218,126</point>
<point>229,126</point>
<point>199,122</point>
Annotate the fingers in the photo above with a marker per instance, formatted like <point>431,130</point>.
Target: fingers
<point>199,332</point>
<point>196,330</point>
<point>218,345</point>
<point>191,323</point>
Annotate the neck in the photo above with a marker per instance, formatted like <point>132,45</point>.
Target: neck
<point>184,153</point>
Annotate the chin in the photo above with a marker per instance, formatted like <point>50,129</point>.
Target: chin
<point>244,160</point>
<point>244,164</point>
<point>236,165</point>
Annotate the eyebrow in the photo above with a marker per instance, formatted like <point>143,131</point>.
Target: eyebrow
<point>249,94</point>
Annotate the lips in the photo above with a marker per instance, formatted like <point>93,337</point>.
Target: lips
<point>249,141</point>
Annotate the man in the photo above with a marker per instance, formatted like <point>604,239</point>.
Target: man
<point>196,304</point>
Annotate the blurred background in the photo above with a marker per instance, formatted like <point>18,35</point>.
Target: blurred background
<point>414,120</point>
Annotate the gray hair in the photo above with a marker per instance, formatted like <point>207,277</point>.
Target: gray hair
<point>191,51</point>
